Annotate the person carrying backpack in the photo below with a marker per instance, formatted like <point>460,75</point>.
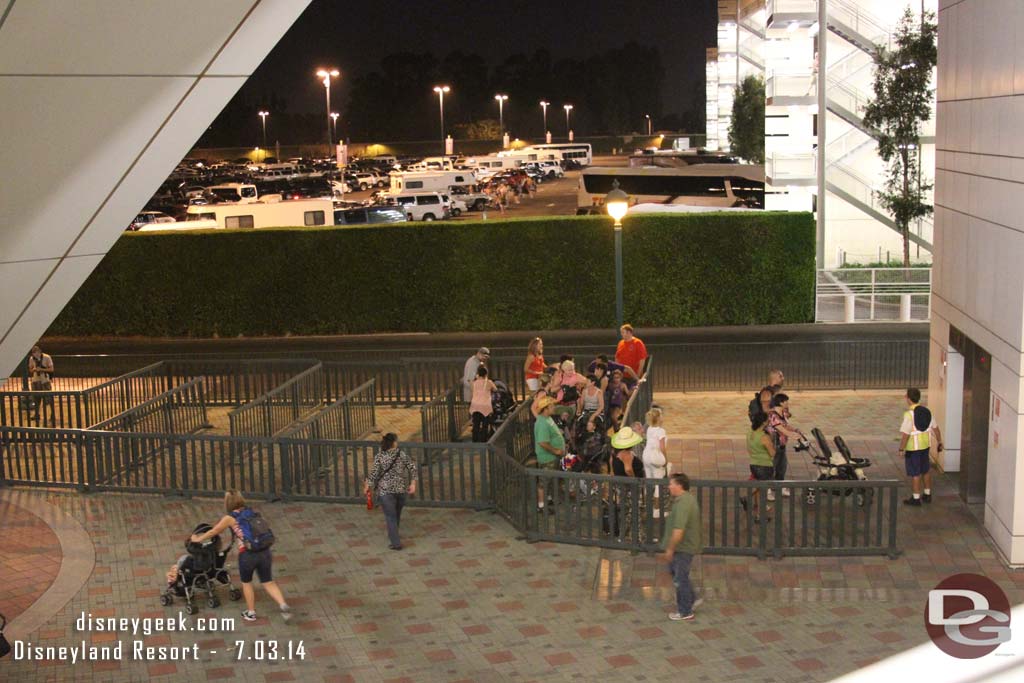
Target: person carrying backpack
<point>254,538</point>
<point>915,445</point>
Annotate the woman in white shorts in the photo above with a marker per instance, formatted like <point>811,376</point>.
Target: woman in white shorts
<point>655,462</point>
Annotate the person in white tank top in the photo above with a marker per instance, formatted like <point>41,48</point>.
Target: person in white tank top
<point>655,462</point>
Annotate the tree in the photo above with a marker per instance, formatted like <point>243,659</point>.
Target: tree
<point>902,102</point>
<point>746,131</point>
<point>483,129</point>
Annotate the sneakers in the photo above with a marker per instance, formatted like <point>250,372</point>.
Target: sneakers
<point>786,493</point>
<point>914,502</point>
<point>286,612</point>
<point>771,494</point>
<point>657,513</point>
<point>927,497</point>
<point>697,603</point>
<point>676,616</point>
<point>249,615</point>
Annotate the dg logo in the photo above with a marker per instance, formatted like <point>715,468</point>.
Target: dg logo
<point>967,616</point>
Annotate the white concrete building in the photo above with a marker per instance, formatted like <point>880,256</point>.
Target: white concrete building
<point>99,101</point>
<point>976,366</point>
<point>782,40</point>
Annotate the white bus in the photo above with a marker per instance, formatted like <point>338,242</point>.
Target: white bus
<point>726,185</point>
<point>580,152</point>
<point>298,212</point>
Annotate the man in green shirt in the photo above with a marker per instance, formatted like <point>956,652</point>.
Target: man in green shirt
<point>549,440</point>
<point>682,540</point>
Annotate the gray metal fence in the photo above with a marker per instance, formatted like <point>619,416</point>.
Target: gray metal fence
<point>445,417</point>
<point>281,407</point>
<point>235,381</point>
<point>182,410</point>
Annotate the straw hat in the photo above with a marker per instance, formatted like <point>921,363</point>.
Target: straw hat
<point>625,438</point>
<point>544,402</point>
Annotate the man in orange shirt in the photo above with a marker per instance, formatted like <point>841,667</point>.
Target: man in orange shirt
<point>631,351</point>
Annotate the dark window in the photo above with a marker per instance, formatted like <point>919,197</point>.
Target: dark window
<point>314,218</point>
<point>384,215</point>
<point>238,222</point>
<point>460,179</point>
<point>414,184</point>
<point>353,216</point>
<point>429,199</point>
<point>248,192</point>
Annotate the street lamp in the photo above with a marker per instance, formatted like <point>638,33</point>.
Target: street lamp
<point>501,113</point>
<point>327,76</point>
<point>334,126</point>
<point>544,105</point>
<point>441,90</point>
<point>616,203</point>
<point>567,108</point>
<point>648,117</point>
<point>263,117</point>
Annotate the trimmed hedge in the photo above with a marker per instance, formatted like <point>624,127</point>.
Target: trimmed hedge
<point>537,273</point>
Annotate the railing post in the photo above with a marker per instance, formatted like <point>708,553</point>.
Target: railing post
<point>268,420</point>
<point>905,310</point>
<point>87,452</point>
<point>284,449</point>
<point>873,294</point>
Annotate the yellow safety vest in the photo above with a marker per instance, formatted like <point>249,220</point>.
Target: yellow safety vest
<point>918,441</point>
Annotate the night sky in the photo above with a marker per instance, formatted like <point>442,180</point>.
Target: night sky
<point>353,35</point>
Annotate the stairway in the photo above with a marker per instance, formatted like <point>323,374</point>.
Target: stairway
<point>855,190</point>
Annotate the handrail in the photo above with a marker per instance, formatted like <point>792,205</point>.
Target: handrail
<point>188,395</point>
<point>258,417</point>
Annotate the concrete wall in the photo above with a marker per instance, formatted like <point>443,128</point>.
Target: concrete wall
<point>138,81</point>
<point>978,280</point>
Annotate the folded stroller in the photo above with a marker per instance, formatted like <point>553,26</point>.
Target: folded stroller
<point>201,569</point>
<point>503,403</point>
<point>836,466</point>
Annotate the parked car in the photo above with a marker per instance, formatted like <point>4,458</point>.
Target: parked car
<point>423,206</point>
<point>369,214</point>
<point>364,181</point>
<point>149,217</point>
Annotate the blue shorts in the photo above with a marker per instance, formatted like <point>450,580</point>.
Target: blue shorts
<point>918,463</point>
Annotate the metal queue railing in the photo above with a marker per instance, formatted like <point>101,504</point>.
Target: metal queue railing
<point>281,407</point>
<point>182,410</point>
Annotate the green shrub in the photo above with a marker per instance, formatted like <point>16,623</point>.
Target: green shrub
<point>538,273</point>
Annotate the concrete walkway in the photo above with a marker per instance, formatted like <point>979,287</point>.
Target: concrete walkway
<point>467,601</point>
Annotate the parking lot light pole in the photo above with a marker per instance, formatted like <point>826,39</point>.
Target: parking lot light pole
<point>567,108</point>
<point>544,105</point>
<point>441,90</point>
<point>616,203</point>
<point>327,75</point>
<point>263,117</point>
<point>501,113</point>
<point>648,117</point>
<point>334,126</point>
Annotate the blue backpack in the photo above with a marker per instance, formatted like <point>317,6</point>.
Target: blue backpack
<point>256,532</point>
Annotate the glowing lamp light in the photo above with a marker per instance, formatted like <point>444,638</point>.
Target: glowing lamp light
<point>616,203</point>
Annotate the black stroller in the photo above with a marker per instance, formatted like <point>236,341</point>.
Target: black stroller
<point>841,466</point>
<point>503,403</point>
<point>201,570</point>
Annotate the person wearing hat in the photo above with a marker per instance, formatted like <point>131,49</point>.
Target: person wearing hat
<point>624,463</point>
<point>469,371</point>
<point>549,440</point>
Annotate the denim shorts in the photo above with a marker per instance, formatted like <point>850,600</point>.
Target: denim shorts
<point>258,562</point>
<point>762,472</point>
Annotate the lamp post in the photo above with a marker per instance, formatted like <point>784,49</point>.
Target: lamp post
<point>544,105</point>
<point>501,113</point>
<point>334,126</point>
<point>616,203</point>
<point>263,117</point>
<point>327,76</point>
<point>441,90</point>
<point>567,108</point>
<point>648,117</point>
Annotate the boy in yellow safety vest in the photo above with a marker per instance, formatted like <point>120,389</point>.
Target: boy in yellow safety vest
<point>915,443</point>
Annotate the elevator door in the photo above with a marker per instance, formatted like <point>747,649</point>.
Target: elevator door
<point>975,425</point>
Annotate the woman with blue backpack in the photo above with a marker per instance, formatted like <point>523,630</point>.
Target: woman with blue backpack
<point>254,557</point>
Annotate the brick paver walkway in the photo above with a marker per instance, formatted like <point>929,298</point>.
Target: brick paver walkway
<point>467,601</point>
<point>30,559</point>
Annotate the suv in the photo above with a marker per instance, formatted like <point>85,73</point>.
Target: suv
<point>364,181</point>
<point>423,206</point>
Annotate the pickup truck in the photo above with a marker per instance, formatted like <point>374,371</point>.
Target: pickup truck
<point>474,201</point>
<point>364,181</point>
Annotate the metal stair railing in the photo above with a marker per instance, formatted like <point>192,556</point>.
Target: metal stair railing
<point>857,190</point>
<point>860,28</point>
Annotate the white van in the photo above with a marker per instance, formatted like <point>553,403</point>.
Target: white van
<point>234,192</point>
<point>420,206</point>
<point>430,181</point>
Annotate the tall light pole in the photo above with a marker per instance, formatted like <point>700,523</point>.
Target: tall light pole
<point>441,90</point>
<point>617,204</point>
<point>334,126</point>
<point>501,113</point>
<point>327,76</point>
<point>263,117</point>
<point>544,105</point>
<point>648,117</point>
<point>567,108</point>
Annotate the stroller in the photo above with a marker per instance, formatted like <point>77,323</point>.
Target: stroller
<point>503,403</point>
<point>841,466</point>
<point>586,450</point>
<point>200,570</point>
